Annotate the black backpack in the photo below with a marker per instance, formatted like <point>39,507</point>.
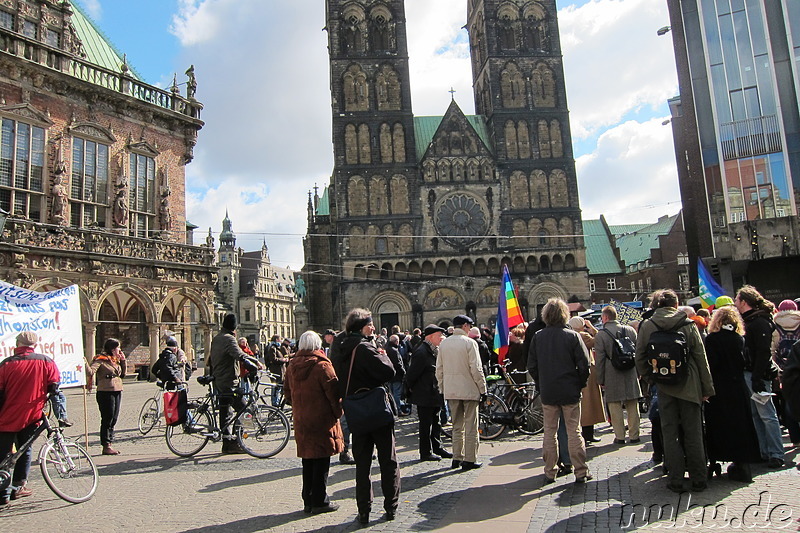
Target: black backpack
<point>667,355</point>
<point>786,340</point>
<point>623,351</point>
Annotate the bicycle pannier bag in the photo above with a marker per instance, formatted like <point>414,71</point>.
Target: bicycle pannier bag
<point>667,355</point>
<point>175,407</point>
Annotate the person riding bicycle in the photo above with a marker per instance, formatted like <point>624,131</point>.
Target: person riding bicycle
<point>223,363</point>
<point>25,380</point>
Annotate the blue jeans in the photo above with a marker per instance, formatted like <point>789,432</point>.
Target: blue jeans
<point>23,466</point>
<point>58,402</point>
<point>397,390</point>
<point>765,418</point>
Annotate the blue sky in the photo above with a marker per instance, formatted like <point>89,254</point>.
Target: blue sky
<point>263,77</point>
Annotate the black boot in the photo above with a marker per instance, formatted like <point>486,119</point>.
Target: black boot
<point>588,434</point>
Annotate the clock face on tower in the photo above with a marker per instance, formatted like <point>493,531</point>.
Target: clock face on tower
<point>461,219</point>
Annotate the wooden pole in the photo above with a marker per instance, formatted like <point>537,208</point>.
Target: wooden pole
<point>85,420</point>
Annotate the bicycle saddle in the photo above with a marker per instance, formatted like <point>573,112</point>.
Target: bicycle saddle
<point>205,380</point>
<point>160,384</point>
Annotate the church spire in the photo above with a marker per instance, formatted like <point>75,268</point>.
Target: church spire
<point>227,237</point>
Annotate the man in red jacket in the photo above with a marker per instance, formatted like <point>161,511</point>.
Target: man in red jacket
<point>25,378</point>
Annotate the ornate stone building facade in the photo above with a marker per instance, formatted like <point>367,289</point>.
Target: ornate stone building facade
<point>260,294</point>
<point>92,173</point>
<point>422,212</point>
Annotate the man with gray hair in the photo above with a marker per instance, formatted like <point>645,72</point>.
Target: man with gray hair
<point>26,378</point>
<point>559,363</point>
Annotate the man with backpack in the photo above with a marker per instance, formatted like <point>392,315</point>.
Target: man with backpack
<point>670,353</point>
<point>786,334</point>
<point>615,352</point>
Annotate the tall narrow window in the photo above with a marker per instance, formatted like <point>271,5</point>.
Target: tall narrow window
<point>142,195</point>
<point>89,191</point>
<point>22,169</point>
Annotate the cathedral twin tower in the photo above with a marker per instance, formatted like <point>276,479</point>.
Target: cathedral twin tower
<point>422,212</point>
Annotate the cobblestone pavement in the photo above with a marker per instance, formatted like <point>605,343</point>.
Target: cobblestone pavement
<point>149,489</point>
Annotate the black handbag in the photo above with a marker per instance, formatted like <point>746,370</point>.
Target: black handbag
<point>367,409</point>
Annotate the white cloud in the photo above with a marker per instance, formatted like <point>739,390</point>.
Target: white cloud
<point>614,62</point>
<point>262,70</point>
<point>631,177</point>
<point>93,8</point>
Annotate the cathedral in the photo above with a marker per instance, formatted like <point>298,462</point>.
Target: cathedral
<point>421,213</point>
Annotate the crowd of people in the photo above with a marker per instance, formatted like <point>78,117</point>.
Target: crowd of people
<point>717,386</point>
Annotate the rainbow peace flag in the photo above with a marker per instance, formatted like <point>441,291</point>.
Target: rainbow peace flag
<point>710,290</point>
<point>508,315</point>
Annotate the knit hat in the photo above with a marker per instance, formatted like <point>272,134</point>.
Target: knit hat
<point>171,341</point>
<point>229,322</point>
<point>722,301</point>
<point>576,323</point>
<point>27,338</point>
<point>474,333</point>
<point>787,305</point>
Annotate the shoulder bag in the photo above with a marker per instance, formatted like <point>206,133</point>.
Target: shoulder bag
<point>366,409</point>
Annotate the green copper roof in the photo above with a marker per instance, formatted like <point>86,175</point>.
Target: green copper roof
<point>97,46</point>
<point>635,247</point>
<point>324,205</point>
<point>622,229</point>
<point>600,258</point>
<point>425,128</point>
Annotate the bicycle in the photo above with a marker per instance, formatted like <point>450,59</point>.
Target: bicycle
<point>490,411</point>
<point>523,404</point>
<point>152,411</point>
<point>66,467</point>
<point>261,430</point>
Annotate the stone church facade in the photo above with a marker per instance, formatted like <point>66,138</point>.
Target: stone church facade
<point>422,212</point>
<point>92,174</point>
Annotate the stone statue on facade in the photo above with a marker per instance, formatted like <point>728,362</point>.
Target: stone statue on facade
<point>119,210</point>
<point>60,196</point>
<point>191,83</point>
<point>165,219</point>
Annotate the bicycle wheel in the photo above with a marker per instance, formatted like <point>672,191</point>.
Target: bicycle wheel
<point>529,416</point>
<point>148,416</point>
<point>187,439</point>
<point>68,470</point>
<point>490,415</point>
<point>263,431</point>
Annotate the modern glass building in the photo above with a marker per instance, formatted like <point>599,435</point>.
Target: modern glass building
<point>737,128</point>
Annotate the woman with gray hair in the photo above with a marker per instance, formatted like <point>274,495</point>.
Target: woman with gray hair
<point>310,387</point>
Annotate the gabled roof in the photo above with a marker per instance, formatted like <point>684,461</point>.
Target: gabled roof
<point>621,229</point>
<point>600,258</point>
<point>425,128</point>
<point>635,247</point>
<point>97,46</point>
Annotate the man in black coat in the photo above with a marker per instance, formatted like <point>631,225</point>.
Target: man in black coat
<point>425,394</point>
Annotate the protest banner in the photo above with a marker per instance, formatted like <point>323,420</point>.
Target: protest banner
<point>56,317</point>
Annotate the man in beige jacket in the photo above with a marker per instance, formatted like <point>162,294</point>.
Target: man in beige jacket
<point>460,376</point>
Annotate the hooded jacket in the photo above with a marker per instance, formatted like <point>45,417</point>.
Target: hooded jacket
<point>698,382</point>
<point>311,388</point>
<point>790,322</point>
